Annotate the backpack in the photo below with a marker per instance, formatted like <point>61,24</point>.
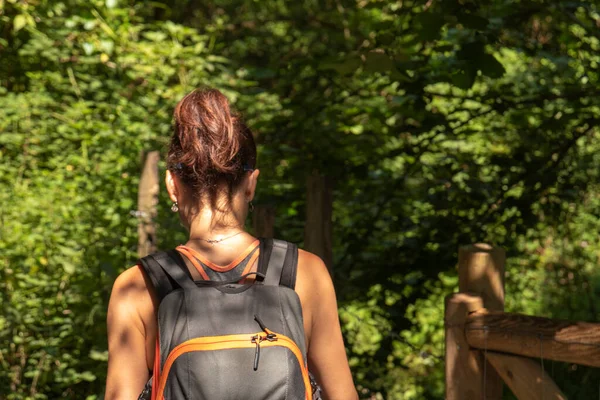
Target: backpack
<point>226,340</point>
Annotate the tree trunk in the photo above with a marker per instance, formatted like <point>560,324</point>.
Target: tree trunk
<point>319,209</point>
<point>263,221</point>
<point>147,201</point>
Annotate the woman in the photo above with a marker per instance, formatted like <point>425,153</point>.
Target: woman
<point>211,180</point>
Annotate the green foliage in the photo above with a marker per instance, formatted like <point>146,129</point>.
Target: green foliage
<point>441,123</point>
<point>96,86</point>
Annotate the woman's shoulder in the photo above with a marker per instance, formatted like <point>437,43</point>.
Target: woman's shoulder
<point>311,263</point>
<point>130,283</point>
<point>132,293</point>
<point>313,279</point>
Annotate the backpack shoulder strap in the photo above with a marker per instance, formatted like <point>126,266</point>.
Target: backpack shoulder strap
<point>167,271</point>
<point>278,261</point>
<point>290,267</point>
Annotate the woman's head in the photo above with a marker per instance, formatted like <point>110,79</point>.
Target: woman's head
<point>212,154</point>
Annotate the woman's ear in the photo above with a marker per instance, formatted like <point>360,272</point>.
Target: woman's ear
<point>251,185</point>
<point>171,186</point>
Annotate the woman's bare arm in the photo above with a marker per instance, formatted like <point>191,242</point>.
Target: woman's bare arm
<point>326,353</point>
<point>127,366</point>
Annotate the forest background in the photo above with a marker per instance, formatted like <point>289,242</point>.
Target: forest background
<point>432,124</point>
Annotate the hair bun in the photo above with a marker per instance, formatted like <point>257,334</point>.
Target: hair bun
<point>210,142</point>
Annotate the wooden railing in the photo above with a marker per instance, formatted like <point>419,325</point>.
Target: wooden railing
<point>486,346</point>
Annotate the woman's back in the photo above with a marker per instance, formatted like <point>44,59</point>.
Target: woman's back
<point>218,249</point>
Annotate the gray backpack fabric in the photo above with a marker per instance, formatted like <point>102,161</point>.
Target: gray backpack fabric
<point>225,340</point>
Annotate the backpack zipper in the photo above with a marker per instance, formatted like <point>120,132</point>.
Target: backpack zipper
<point>265,338</point>
<point>258,339</point>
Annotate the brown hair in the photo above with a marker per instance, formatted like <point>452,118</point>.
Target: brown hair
<point>211,148</point>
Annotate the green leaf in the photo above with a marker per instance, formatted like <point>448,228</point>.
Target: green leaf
<point>473,54</point>
<point>69,267</point>
<point>88,48</point>
<point>345,66</point>
<point>378,62</point>
<point>464,79</point>
<point>87,376</point>
<point>385,38</point>
<point>490,66</point>
<point>19,22</point>
<point>471,51</point>
<point>99,355</point>
<point>430,23</point>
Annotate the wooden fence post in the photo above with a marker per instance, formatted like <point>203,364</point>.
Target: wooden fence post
<point>147,201</point>
<point>464,367</point>
<point>481,271</point>
<point>319,209</point>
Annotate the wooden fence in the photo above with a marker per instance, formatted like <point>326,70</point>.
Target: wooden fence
<point>486,346</point>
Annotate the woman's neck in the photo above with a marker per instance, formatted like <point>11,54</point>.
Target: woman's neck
<point>212,240</point>
<point>214,225</point>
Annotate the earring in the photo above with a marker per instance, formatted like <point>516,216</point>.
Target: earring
<point>175,207</point>
<point>251,207</point>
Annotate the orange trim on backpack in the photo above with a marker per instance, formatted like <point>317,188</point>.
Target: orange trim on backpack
<point>227,267</point>
<point>240,341</point>
<point>185,251</point>
<point>156,370</point>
